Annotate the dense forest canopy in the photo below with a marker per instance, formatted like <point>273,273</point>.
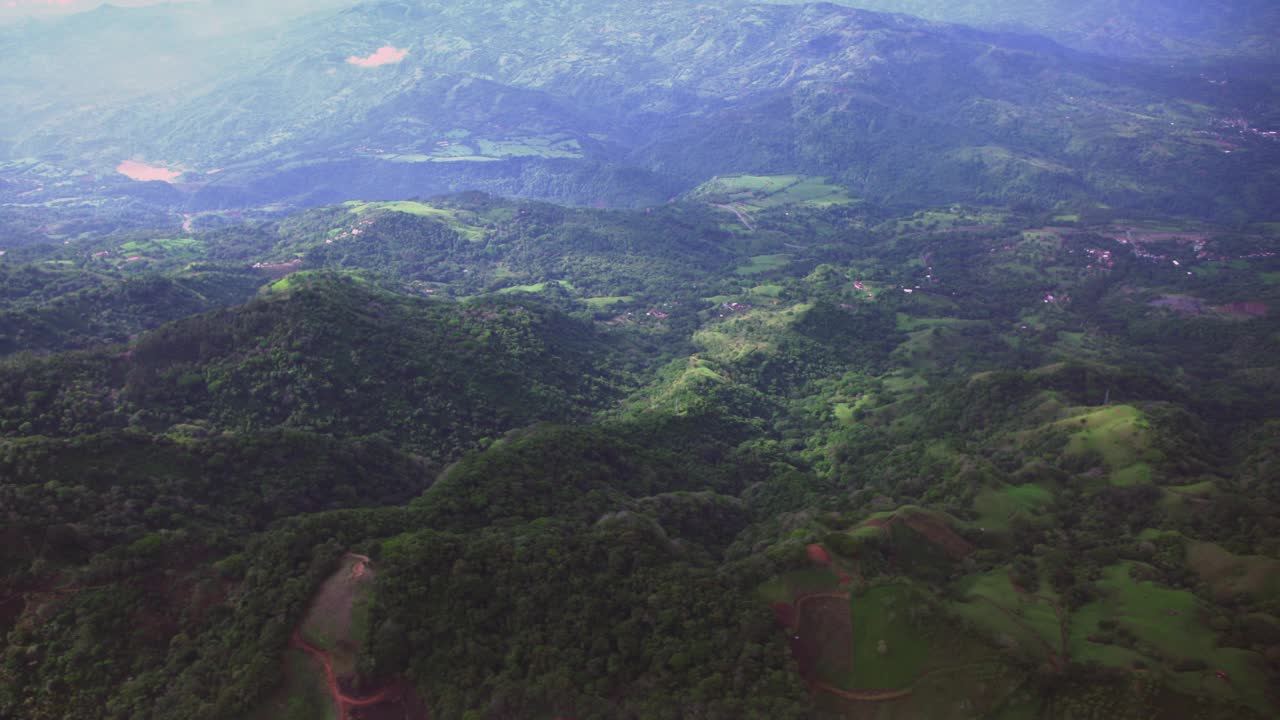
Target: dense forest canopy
<point>678,360</point>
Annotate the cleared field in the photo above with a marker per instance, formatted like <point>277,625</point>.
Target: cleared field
<point>600,303</point>
<point>1169,628</point>
<point>1119,435</point>
<point>458,224</point>
<point>764,263</point>
<point>890,649</point>
<point>768,290</point>
<point>762,192</point>
<point>1230,575</point>
<point>997,157</point>
<point>997,507</point>
<point>845,412</point>
<point>1013,620</point>
<point>336,620</point>
<point>542,147</point>
<point>173,249</point>
<point>536,287</point>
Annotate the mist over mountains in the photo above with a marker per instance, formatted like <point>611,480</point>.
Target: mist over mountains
<point>620,360</point>
<point>622,103</point>
<point>1151,28</point>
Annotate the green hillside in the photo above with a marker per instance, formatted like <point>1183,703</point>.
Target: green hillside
<point>1038,482</point>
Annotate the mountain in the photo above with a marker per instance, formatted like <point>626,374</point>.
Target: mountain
<point>443,376</point>
<point>865,365</point>
<point>1156,28</point>
<point>630,104</point>
<point>1009,450</point>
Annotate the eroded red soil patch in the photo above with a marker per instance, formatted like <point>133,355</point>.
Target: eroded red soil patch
<point>142,172</point>
<point>823,641</point>
<point>822,644</point>
<point>345,703</point>
<point>818,554</point>
<point>331,611</point>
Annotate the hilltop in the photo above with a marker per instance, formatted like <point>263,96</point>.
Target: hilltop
<point>770,450</point>
<point>630,104</point>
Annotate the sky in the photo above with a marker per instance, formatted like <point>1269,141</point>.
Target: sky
<point>19,8</point>
<point>11,10</point>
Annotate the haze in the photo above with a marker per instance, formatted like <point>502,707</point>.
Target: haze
<point>597,359</point>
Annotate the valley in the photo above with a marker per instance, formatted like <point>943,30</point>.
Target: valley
<point>444,359</point>
<point>680,93</point>
<point>898,478</point>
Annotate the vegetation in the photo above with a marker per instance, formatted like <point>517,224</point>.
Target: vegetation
<point>589,456</point>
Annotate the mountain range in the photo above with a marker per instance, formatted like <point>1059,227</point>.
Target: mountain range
<point>553,360</point>
<point>1153,29</point>
<point>620,103</point>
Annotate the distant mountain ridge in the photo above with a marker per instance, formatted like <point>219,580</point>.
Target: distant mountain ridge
<point>627,103</point>
<point>1152,28</point>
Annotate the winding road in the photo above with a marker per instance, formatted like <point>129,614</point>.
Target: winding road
<point>342,701</point>
<point>736,211</point>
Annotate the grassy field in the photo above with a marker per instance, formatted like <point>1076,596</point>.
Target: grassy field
<point>763,264</point>
<point>997,157</point>
<point>601,303</point>
<point>682,382</point>
<point>540,147</point>
<point>1168,626</point>
<point>755,331</point>
<point>761,192</point>
<point>997,507</point>
<point>1118,434</point>
<point>900,382</point>
<point>768,290</point>
<point>458,224</point>
<point>535,288</point>
<point>1230,574</point>
<point>993,605</point>
<point>883,620</point>
<point>302,277</point>
<point>943,220</point>
<point>170,249</point>
<point>845,412</point>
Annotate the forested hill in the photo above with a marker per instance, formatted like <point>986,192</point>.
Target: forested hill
<point>767,451</point>
<point>628,103</point>
<point>1165,29</point>
<point>640,360</point>
<point>328,355</point>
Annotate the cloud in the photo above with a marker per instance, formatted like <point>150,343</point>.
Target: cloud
<point>384,56</point>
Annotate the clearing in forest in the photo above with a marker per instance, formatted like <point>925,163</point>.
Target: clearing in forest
<point>752,193</point>
<point>886,651</point>
<point>320,664</point>
<point>460,222</point>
